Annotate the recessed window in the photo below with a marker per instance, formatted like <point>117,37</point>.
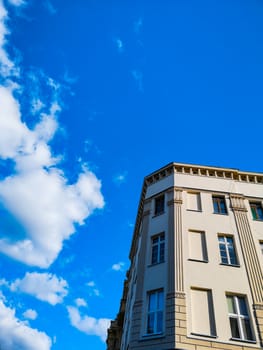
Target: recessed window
<point>158,249</point>
<point>203,320</point>
<point>193,201</point>
<point>197,246</point>
<point>261,246</point>
<point>227,250</point>
<point>159,205</point>
<point>239,318</point>
<point>155,312</point>
<point>219,204</point>
<point>256,210</point>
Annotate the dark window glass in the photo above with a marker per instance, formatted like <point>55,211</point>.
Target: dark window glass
<point>219,205</point>
<point>159,205</point>
<point>257,211</point>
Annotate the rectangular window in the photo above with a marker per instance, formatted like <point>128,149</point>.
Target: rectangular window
<point>158,249</point>
<point>239,318</point>
<point>155,312</point>
<point>256,210</point>
<point>203,320</point>
<point>227,250</point>
<point>197,246</point>
<point>219,204</point>
<point>193,201</point>
<point>159,205</point>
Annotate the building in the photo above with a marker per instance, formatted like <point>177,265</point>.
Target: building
<point>196,274</point>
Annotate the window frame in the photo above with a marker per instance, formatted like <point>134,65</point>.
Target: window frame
<point>256,210</point>
<point>160,244</point>
<point>239,317</point>
<point>155,312</point>
<point>217,202</point>
<point>157,210</point>
<point>226,244</point>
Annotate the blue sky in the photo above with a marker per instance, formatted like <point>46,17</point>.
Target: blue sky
<point>94,95</point>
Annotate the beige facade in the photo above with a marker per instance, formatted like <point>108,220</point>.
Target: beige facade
<point>196,274</point>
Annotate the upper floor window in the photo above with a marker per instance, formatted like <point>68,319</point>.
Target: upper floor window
<point>239,318</point>
<point>158,249</point>
<point>159,205</point>
<point>155,312</point>
<point>194,201</point>
<point>227,250</point>
<point>256,210</point>
<point>219,204</point>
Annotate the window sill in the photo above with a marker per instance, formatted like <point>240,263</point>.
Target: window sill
<point>220,213</point>
<point>152,265</point>
<point>204,335</point>
<point>195,210</point>
<point>231,265</point>
<point>257,219</point>
<point>197,260</point>
<point>158,214</point>
<point>244,340</point>
<point>152,336</point>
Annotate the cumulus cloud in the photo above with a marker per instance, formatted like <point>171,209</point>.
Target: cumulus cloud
<point>17,335</point>
<point>37,193</point>
<point>30,314</point>
<point>118,267</point>
<point>87,324</point>
<point>43,286</point>
<point>81,302</point>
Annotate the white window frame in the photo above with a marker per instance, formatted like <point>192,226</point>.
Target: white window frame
<point>155,312</point>
<point>239,317</point>
<point>226,245</point>
<point>160,244</point>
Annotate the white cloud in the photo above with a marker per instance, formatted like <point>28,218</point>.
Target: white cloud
<point>93,290</point>
<point>119,179</point>
<point>87,324</point>
<point>81,302</point>
<point>138,77</point>
<point>30,314</point>
<point>119,44</point>
<point>118,267</point>
<point>38,194</point>
<point>43,286</point>
<point>17,2</point>
<point>137,25</point>
<point>50,7</point>
<point>17,335</point>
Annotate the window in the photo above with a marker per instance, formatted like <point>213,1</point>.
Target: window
<point>203,320</point>
<point>193,201</point>
<point>227,250</point>
<point>256,210</point>
<point>261,246</point>
<point>158,249</point>
<point>197,246</point>
<point>159,205</point>
<point>155,312</point>
<point>239,318</point>
<point>219,204</point>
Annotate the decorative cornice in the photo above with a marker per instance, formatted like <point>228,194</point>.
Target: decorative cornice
<point>237,202</point>
<point>180,295</point>
<point>208,171</point>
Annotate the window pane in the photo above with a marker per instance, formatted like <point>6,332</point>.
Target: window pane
<point>230,305</point>
<point>222,206</point>
<point>154,254</point>
<point>234,328</point>
<point>216,207</point>
<point>150,323</point>
<point>254,212</point>
<point>160,301</point>
<point>260,213</point>
<point>152,301</point>
<point>247,329</point>
<point>159,327</point>
<point>162,252</point>
<point>242,306</point>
